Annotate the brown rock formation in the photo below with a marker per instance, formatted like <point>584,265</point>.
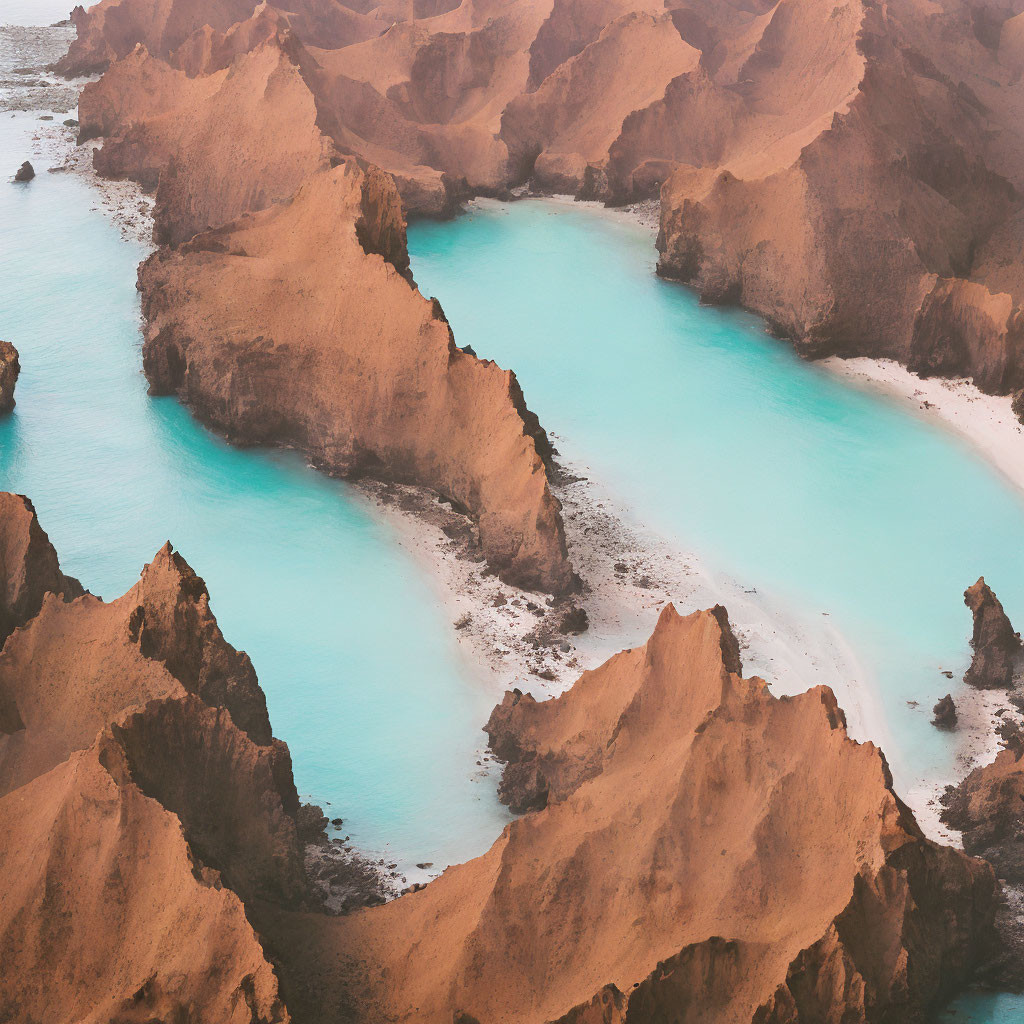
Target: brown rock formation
<point>142,798</point>
<point>9,370</point>
<point>996,644</point>
<point>366,379</point>
<point>852,173</point>
<point>26,172</point>
<point>707,852</point>
<point>152,824</point>
<point>213,147</point>
<point>944,713</point>
<point>988,808</point>
<point>29,569</point>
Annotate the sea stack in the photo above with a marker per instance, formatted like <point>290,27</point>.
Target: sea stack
<point>26,172</point>
<point>9,370</point>
<point>996,644</point>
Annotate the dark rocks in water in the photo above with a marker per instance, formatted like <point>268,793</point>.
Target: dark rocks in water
<point>574,621</point>
<point>996,644</point>
<point>70,123</point>
<point>9,370</point>
<point>26,172</point>
<point>46,117</point>
<point>337,822</point>
<point>945,713</point>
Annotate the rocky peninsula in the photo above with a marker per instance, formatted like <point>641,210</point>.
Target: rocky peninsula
<point>136,749</point>
<point>301,326</point>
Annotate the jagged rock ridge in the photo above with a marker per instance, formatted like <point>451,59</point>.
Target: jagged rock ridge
<point>301,326</point>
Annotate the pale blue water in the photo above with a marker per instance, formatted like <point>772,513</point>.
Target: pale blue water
<point>832,499</point>
<point>361,668</point>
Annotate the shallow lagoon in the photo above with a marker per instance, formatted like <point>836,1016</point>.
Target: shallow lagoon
<point>828,498</point>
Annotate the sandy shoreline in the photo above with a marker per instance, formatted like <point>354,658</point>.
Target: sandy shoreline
<point>986,421</point>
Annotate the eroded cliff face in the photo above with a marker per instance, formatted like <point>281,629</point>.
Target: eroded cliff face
<point>366,378</point>
<point>707,851</point>
<point>303,327</point>
<point>850,172</point>
<point>29,568</point>
<point>142,798</point>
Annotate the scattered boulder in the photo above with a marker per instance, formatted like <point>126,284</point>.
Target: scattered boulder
<point>9,370</point>
<point>70,123</point>
<point>945,713</point>
<point>26,172</point>
<point>996,644</point>
<point>575,620</point>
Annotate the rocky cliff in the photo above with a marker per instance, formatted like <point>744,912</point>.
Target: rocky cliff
<point>303,327</point>
<point>366,378</point>
<point>142,796</point>
<point>706,851</point>
<point>852,172</point>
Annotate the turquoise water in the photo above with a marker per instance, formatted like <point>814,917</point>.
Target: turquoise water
<point>830,498</point>
<point>985,1008</point>
<point>361,668</point>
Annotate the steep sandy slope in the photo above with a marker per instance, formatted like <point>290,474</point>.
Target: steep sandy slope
<point>366,378</point>
<point>709,853</point>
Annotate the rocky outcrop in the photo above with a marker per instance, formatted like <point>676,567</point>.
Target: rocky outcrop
<point>26,172</point>
<point>143,799</point>
<point>851,173</point>
<point>9,370</point>
<point>213,147</point>
<point>988,808</point>
<point>29,569</point>
<point>366,379</point>
<point>996,645</point>
<point>944,713</point>
<point>707,851</point>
